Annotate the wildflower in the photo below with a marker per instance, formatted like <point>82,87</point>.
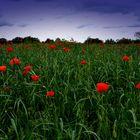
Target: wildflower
<point>50,93</point>
<point>15,61</point>
<point>56,43</point>
<point>52,46</point>
<point>102,87</point>
<point>138,45</point>
<point>83,50</point>
<point>125,58</point>
<point>35,77</point>
<point>137,85</point>
<point>10,49</point>
<point>27,68</point>
<point>83,61</point>
<point>66,49</point>
<point>3,68</point>
<point>25,72</point>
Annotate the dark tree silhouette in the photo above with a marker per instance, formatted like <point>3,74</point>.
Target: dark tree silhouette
<point>57,39</point>
<point>3,41</point>
<point>137,35</point>
<point>110,41</point>
<point>49,41</point>
<point>93,41</point>
<point>30,39</point>
<point>124,41</point>
<point>17,40</point>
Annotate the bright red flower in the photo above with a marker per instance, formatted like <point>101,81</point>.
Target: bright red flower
<point>25,72</point>
<point>125,58</point>
<point>35,77</point>
<point>15,61</point>
<point>102,87</point>
<point>3,68</point>
<point>66,49</point>
<point>137,85</point>
<point>27,68</point>
<point>50,93</point>
<point>83,61</point>
<point>10,49</point>
<point>52,46</point>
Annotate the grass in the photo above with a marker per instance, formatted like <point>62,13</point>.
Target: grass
<point>77,111</point>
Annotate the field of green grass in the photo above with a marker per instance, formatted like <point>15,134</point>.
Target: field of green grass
<point>74,109</point>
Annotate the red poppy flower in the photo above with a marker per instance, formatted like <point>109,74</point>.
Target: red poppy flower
<point>25,72</point>
<point>35,77</point>
<point>102,87</point>
<point>138,45</point>
<point>50,93</point>
<point>66,49</point>
<point>83,50</point>
<point>137,85</point>
<point>125,58</point>
<point>15,61</point>
<point>83,61</point>
<point>52,46</point>
<point>27,68</point>
<point>10,49</point>
<point>3,68</point>
<point>56,43</point>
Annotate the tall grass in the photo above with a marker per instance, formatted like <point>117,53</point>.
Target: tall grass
<point>77,111</point>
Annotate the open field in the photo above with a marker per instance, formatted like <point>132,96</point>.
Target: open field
<point>75,109</point>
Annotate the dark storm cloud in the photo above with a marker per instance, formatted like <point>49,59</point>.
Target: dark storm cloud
<point>111,6</point>
<point>15,0</point>
<point>105,7</point>
<point>3,23</point>
<point>100,6</point>
<point>129,26</point>
<point>134,26</point>
<point>23,25</point>
<point>84,25</point>
<point>46,0</point>
<point>112,27</point>
<point>0,13</point>
<point>41,19</point>
<point>66,15</point>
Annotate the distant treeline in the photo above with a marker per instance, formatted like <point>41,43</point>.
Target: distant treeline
<point>89,40</point>
<point>111,41</point>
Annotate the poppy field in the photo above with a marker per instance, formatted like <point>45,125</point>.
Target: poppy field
<point>69,91</point>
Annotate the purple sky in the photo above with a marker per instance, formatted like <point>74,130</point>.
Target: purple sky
<point>67,19</point>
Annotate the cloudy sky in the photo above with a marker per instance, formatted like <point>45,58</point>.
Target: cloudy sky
<point>68,19</point>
